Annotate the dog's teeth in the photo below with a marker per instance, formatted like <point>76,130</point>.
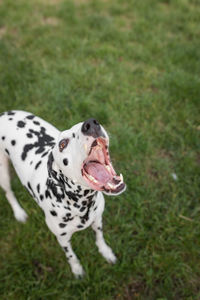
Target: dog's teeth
<point>108,168</point>
<point>121,177</point>
<point>92,178</point>
<point>111,185</point>
<point>98,147</point>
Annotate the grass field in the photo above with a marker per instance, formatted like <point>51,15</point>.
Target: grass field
<point>135,66</point>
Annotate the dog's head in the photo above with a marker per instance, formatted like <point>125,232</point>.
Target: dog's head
<point>83,156</point>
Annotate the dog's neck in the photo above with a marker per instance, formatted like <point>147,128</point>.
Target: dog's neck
<point>61,186</point>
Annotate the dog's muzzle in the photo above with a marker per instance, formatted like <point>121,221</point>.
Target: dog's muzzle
<point>97,169</point>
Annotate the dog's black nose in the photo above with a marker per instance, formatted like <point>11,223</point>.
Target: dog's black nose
<point>92,127</point>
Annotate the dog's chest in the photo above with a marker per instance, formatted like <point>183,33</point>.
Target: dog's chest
<point>69,216</point>
<point>64,218</point>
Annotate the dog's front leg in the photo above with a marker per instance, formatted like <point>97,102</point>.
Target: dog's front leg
<point>104,249</point>
<point>71,256</point>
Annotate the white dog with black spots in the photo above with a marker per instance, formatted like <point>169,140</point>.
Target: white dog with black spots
<point>66,173</point>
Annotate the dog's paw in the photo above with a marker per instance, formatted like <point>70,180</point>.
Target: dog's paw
<point>78,271</point>
<point>21,215</point>
<point>111,258</point>
<point>108,255</point>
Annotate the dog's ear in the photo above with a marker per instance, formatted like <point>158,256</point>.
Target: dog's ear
<point>63,144</point>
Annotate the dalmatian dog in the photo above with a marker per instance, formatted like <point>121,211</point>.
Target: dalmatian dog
<point>65,172</point>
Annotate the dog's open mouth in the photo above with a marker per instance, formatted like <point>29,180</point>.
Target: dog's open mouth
<point>98,171</point>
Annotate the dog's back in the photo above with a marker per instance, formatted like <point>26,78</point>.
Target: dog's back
<point>23,137</point>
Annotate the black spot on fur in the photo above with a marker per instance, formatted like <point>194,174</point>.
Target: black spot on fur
<point>10,119</point>
<point>7,151</point>
<point>65,161</point>
<point>54,184</point>
<point>86,216</point>
<point>64,233</point>
<point>29,135</point>
<point>47,194</point>
<point>90,197</point>
<point>86,192</point>
<point>53,212</point>
<point>69,186</point>
<point>62,225</point>
<point>38,188</point>
<point>84,202</point>
<point>50,163</point>
<point>65,249</point>
<point>82,208</point>
<point>3,138</point>
<point>26,149</point>
<point>30,117</point>
<point>73,134</point>
<point>45,153</point>
<point>80,226</point>
<point>71,195</point>
<point>11,113</point>
<point>36,122</point>
<point>41,197</point>
<point>13,142</point>
<point>37,165</point>
<point>21,124</point>
<point>30,188</point>
<point>43,140</point>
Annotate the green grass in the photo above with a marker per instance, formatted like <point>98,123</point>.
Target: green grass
<point>133,65</point>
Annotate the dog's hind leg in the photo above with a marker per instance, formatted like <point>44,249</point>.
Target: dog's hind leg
<point>18,211</point>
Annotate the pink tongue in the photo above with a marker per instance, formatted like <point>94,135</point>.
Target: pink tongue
<point>98,171</point>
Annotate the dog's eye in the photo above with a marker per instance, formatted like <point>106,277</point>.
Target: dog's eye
<point>63,144</point>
